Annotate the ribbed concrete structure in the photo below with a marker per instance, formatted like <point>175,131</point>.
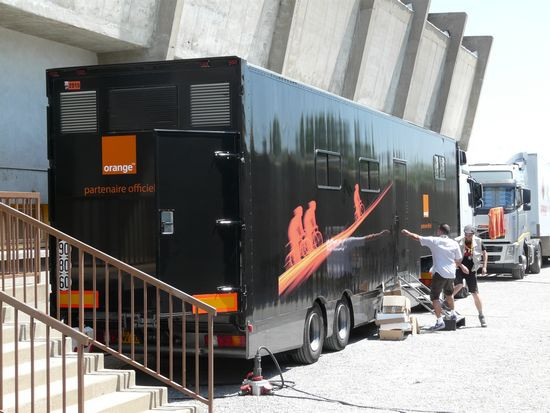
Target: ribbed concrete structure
<point>386,54</point>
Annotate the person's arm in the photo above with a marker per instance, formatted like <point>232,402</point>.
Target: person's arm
<point>410,234</point>
<point>484,268</point>
<point>462,267</point>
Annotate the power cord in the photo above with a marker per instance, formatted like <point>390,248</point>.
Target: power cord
<point>288,384</point>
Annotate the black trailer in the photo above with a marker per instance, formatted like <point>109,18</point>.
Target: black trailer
<point>276,202</point>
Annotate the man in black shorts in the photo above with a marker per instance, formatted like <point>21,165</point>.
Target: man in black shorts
<point>474,256</point>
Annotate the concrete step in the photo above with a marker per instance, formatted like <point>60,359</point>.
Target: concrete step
<point>26,294</point>
<point>177,409</point>
<point>24,350</point>
<point>92,363</point>
<point>135,399</point>
<point>96,384</point>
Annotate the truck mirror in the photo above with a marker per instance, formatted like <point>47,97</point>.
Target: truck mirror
<point>478,194</point>
<point>462,160</point>
<point>526,196</point>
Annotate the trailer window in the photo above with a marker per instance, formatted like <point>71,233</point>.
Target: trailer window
<point>440,167</point>
<point>369,175</point>
<point>328,169</point>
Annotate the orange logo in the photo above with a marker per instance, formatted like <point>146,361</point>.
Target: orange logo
<point>118,155</point>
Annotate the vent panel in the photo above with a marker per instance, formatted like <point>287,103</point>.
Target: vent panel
<point>210,105</point>
<point>78,112</point>
<point>143,108</point>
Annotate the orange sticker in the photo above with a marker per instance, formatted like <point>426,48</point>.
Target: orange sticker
<point>118,155</point>
<point>425,205</point>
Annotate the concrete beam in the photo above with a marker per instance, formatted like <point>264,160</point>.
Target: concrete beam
<point>481,45</point>
<point>364,16</point>
<point>162,38</point>
<point>279,41</point>
<point>420,8</point>
<point>98,27</point>
<point>454,24</point>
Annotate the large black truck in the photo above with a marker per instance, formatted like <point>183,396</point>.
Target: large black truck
<point>277,203</point>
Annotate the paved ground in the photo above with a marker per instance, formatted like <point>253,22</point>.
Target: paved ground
<point>504,367</point>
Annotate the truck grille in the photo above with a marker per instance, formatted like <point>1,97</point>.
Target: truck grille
<point>210,105</point>
<point>493,248</point>
<point>78,112</point>
<point>492,258</point>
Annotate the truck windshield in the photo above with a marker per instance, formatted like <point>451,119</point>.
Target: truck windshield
<point>498,197</point>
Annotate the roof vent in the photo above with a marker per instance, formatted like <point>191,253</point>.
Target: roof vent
<point>78,112</point>
<point>210,105</point>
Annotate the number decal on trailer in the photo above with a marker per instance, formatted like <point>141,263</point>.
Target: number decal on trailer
<point>63,265</point>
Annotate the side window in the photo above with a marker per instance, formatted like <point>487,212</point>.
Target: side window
<point>328,169</point>
<point>440,167</point>
<point>369,175</point>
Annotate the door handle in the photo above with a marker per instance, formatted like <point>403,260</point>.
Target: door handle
<point>167,221</point>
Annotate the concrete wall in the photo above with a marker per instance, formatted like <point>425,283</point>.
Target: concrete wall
<point>459,94</point>
<point>99,26</point>
<point>243,28</point>
<point>427,76</point>
<point>393,57</point>
<point>319,42</point>
<point>23,61</point>
<point>382,55</point>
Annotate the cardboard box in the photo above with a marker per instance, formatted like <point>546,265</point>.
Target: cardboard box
<point>392,335</point>
<point>395,304</point>
<point>396,326</point>
<point>385,318</point>
<point>396,291</point>
<point>415,326</point>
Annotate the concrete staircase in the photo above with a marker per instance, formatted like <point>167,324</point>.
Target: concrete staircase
<point>106,390</point>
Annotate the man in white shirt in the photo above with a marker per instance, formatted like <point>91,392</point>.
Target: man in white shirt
<point>446,257</point>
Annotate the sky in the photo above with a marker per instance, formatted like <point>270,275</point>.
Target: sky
<point>514,106</point>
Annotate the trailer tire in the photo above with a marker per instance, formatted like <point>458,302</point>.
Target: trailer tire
<point>535,267</point>
<point>314,337</point>
<point>341,328</point>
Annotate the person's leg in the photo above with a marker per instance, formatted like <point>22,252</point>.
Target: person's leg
<point>449,294</point>
<point>457,288</point>
<point>477,301</point>
<point>459,278</point>
<point>435,292</point>
<point>437,308</point>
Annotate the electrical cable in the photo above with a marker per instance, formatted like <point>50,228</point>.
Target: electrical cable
<point>288,384</point>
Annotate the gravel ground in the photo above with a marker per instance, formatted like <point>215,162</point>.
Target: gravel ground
<point>500,368</point>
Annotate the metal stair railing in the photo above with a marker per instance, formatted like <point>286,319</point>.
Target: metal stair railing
<point>51,324</point>
<point>126,290</point>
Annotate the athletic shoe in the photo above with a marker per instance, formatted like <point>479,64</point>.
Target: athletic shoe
<point>482,321</point>
<point>439,325</point>
<point>454,317</point>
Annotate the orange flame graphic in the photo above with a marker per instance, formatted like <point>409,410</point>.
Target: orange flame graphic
<point>302,270</point>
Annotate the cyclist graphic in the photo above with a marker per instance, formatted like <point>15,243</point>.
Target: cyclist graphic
<point>359,207</point>
<point>296,237</point>
<point>314,238</point>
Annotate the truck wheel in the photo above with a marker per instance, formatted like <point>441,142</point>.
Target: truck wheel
<point>341,327</point>
<point>314,337</point>
<point>518,273</point>
<point>534,268</point>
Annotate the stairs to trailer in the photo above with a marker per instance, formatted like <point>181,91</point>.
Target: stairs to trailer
<point>43,363</point>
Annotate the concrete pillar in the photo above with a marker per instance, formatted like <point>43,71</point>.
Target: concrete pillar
<point>454,24</point>
<point>482,46</point>
<point>161,46</point>
<point>420,8</point>
<point>279,41</point>
<point>351,77</point>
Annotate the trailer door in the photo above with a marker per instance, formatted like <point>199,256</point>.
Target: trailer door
<point>198,210</point>
<point>401,215</point>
